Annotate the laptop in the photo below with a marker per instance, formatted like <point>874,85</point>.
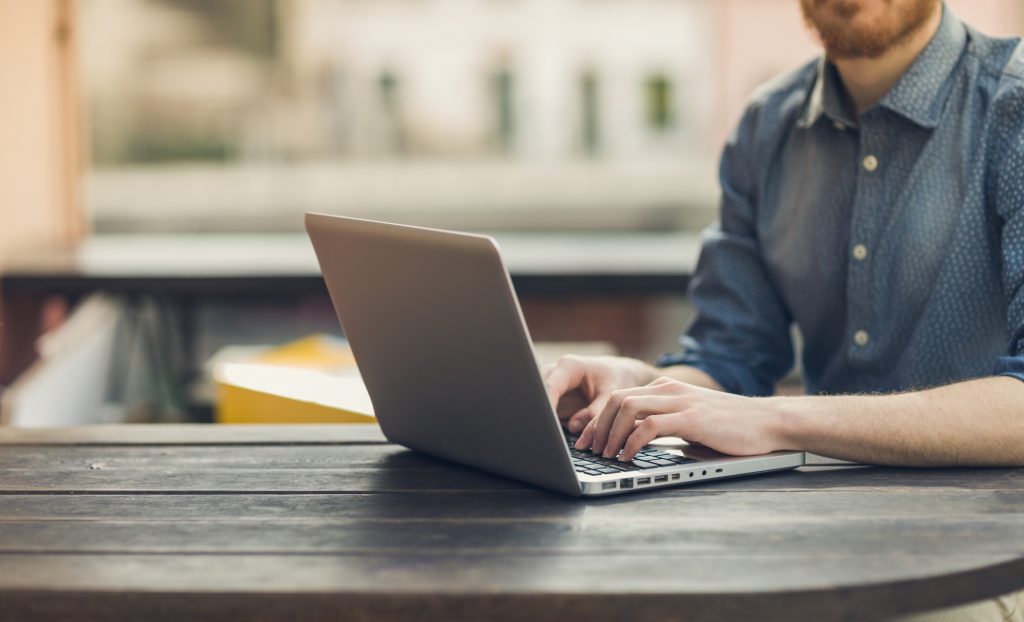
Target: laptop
<point>440,342</point>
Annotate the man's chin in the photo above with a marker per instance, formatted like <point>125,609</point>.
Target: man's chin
<point>859,52</point>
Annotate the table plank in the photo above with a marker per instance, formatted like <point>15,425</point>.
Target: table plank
<point>851,538</point>
<point>372,466</point>
<point>509,587</point>
<point>35,456</point>
<point>681,504</point>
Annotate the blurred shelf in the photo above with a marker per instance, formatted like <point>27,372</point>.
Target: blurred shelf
<point>209,265</point>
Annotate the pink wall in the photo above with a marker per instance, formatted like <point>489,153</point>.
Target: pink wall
<point>38,153</point>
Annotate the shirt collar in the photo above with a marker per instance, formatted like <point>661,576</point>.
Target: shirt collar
<point>825,97</point>
<point>919,95</point>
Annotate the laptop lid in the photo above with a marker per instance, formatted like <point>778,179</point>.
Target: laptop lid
<point>441,344</point>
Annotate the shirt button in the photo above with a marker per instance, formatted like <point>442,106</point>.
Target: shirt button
<point>839,125</point>
<point>870,163</point>
<point>860,252</point>
<point>861,338</point>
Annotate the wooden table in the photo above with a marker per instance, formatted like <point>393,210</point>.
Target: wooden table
<point>318,523</point>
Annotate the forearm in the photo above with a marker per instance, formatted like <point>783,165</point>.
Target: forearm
<point>978,423</point>
<point>687,374</point>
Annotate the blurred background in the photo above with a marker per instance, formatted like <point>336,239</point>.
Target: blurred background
<point>156,139</point>
<point>239,115</point>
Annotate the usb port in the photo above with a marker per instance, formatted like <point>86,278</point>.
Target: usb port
<point>643,481</point>
<point>660,478</point>
<point>626,483</point>
<point>607,485</point>
<point>675,476</point>
<point>718,470</point>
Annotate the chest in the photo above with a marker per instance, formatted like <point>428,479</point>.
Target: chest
<point>851,216</point>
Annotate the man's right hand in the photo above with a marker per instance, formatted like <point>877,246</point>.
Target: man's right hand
<point>579,387</point>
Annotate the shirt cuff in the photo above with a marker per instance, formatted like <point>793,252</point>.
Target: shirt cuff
<point>1010,366</point>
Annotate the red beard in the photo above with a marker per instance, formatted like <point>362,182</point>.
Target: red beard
<point>847,30</point>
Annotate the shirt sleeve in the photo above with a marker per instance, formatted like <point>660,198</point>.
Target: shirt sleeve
<point>740,335</point>
<point>1008,193</point>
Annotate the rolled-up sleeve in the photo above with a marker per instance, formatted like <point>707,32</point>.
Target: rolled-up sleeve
<point>1008,192</point>
<point>740,334</point>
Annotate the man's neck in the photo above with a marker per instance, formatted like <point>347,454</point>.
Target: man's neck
<point>867,80</point>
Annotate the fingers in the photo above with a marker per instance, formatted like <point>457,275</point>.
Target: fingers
<point>579,421</point>
<point>586,439</point>
<point>568,374</point>
<point>570,404</point>
<point>602,425</point>
<point>634,409</point>
<point>649,429</point>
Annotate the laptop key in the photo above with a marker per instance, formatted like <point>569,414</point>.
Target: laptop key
<point>643,464</point>
<point>682,460</point>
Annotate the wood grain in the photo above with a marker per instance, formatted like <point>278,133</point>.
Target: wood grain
<point>330,522</point>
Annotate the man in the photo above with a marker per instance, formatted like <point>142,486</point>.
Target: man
<point>875,199</point>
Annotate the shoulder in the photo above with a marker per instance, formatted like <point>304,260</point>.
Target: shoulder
<point>1000,77</point>
<point>779,102</point>
<point>999,59</point>
<point>770,113</point>
<point>1000,85</point>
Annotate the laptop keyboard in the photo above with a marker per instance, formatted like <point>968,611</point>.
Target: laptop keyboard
<point>595,464</point>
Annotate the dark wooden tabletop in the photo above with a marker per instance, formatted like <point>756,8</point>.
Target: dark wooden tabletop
<point>317,523</point>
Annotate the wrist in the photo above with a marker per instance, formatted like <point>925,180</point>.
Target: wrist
<point>785,422</point>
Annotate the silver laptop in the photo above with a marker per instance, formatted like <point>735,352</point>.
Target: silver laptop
<point>439,339</point>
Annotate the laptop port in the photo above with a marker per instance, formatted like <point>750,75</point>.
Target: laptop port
<point>675,476</point>
<point>660,478</point>
<point>607,485</point>
<point>643,481</point>
<point>626,483</point>
<point>718,470</point>
<point>703,473</point>
<point>691,473</point>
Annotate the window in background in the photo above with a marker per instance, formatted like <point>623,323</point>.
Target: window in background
<point>590,114</point>
<point>659,100</point>
<point>228,115</point>
<point>503,92</point>
<point>391,132</point>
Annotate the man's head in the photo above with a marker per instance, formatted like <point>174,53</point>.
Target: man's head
<point>865,28</point>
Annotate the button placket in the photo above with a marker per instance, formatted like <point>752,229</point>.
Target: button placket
<point>868,196</point>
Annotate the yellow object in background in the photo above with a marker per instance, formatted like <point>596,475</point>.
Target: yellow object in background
<point>312,380</point>
<point>321,352</point>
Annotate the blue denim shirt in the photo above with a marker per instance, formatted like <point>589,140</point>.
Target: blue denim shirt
<point>894,242</point>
